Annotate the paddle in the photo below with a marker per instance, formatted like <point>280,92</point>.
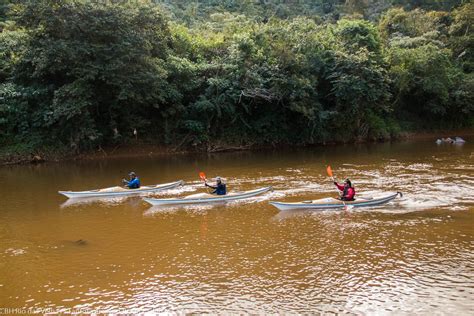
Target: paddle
<point>329,171</point>
<point>330,174</point>
<point>202,175</point>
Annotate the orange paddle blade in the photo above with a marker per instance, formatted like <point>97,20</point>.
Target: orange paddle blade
<point>329,171</point>
<point>202,175</point>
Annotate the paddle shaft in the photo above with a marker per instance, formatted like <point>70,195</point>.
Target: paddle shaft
<point>202,175</point>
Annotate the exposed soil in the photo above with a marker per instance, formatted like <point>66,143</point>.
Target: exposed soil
<point>140,150</point>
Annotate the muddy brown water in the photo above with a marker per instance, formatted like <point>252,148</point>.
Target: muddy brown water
<point>413,255</point>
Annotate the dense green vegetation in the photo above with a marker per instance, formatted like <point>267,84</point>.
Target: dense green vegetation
<point>77,75</point>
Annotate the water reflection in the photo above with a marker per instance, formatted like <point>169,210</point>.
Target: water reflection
<point>94,200</point>
<point>197,208</point>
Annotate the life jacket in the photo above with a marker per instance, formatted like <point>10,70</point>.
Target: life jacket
<point>134,184</point>
<point>221,189</point>
<point>348,193</point>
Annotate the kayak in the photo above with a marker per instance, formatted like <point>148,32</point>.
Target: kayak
<point>332,203</point>
<point>207,198</point>
<point>120,191</point>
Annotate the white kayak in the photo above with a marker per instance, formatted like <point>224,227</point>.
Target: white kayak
<point>332,203</point>
<point>208,198</point>
<point>120,191</point>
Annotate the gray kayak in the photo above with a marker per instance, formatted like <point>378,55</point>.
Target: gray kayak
<point>208,198</point>
<point>120,191</point>
<point>332,203</point>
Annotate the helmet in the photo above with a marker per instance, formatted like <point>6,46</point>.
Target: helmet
<point>132,174</point>
<point>220,179</point>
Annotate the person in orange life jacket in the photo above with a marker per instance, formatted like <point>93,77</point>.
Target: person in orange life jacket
<point>219,188</point>
<point>348,191</point>
<point>133,183</point>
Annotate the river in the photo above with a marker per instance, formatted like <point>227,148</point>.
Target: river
<point>413,255</point>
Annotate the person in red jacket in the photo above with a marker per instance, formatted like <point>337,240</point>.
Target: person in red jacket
<point>348,191</point>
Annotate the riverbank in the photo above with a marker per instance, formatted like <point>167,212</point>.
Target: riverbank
<point>24,156</point>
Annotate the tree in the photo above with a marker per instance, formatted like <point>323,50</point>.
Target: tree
<point>462,36</point>
<point>101,65</point>
<point>423,79</point>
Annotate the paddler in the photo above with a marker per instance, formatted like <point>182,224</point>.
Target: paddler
<point>219,188</point>
<point>348,191</point>
<point>133,183</point>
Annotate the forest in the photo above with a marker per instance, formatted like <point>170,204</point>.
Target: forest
<point>200,75</point>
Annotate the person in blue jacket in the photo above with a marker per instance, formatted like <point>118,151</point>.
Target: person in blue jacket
<point>219,188</point>
<point>133,183</point>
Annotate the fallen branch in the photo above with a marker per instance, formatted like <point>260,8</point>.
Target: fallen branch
<point>185,138</point>
<point>215,149</point>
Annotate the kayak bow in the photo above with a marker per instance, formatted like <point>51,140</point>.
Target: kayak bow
<point>332,203</point>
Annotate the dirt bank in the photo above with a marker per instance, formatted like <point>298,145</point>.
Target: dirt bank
<point>141,150</point>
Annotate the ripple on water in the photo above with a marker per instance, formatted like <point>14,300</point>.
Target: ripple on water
<point>331,277</point>
<point>15,252</point>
